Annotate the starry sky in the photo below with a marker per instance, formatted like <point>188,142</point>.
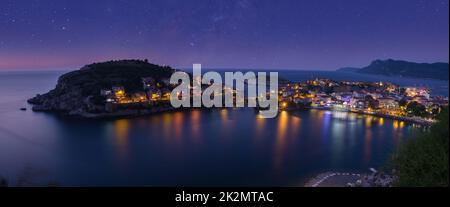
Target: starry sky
<point>251,34</point>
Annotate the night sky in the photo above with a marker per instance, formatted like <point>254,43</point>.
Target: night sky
<point>256,34</point>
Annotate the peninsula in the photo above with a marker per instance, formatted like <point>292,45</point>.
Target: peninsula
<point>109,89</point>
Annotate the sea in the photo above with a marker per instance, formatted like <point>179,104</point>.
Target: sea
<point>220,147</point>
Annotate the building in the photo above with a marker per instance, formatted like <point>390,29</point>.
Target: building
<point>358,103</point>
<point>165,94</point>
<point>422,100</point>
<point>154,95</point>
<point>414,91</point>
<point>119,95</point>
<point>148,83</point>
<point>105,92</point>
<point>387,103</point>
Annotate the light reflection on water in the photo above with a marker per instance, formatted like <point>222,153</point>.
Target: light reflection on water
<point>178,125</point>
<point>280,140</point>
<point>226,147</point>
<point>367,147</point>
<point>260,125</point>
<point>195,124</point>
<point>121,132</point>
<point>217,147</point>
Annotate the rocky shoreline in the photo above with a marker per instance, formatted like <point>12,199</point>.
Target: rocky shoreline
<point>339,179</point>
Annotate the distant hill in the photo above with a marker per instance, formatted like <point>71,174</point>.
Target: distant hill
<point>348,69</point>
<point>405,69</point>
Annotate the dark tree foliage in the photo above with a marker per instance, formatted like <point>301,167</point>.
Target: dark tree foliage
<point>127,73</point>
<point>416,109</point>
<point>403,102</point>
<point>424,161</point>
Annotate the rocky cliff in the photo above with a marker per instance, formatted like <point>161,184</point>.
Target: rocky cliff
<point>405,69</point>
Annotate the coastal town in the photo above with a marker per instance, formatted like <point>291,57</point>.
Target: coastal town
<point>414,104</point>
<point>378,98</point>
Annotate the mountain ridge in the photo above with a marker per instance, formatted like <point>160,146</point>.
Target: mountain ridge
<point>390,67</point>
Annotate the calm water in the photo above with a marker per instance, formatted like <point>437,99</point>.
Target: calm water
<point>196,148</point>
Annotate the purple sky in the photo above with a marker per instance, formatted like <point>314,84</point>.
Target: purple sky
<point>258,34</point>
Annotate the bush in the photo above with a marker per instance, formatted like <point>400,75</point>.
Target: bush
<point>424,161</point>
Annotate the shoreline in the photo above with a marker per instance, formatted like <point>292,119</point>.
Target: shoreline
<point>130,113</point>
<point>333,179</point>
<point>422,122</point>
<point>373,178</point>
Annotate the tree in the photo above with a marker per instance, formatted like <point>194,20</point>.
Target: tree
<point>424,161</point>
<point>403,102</point>
<point>416,109</point>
